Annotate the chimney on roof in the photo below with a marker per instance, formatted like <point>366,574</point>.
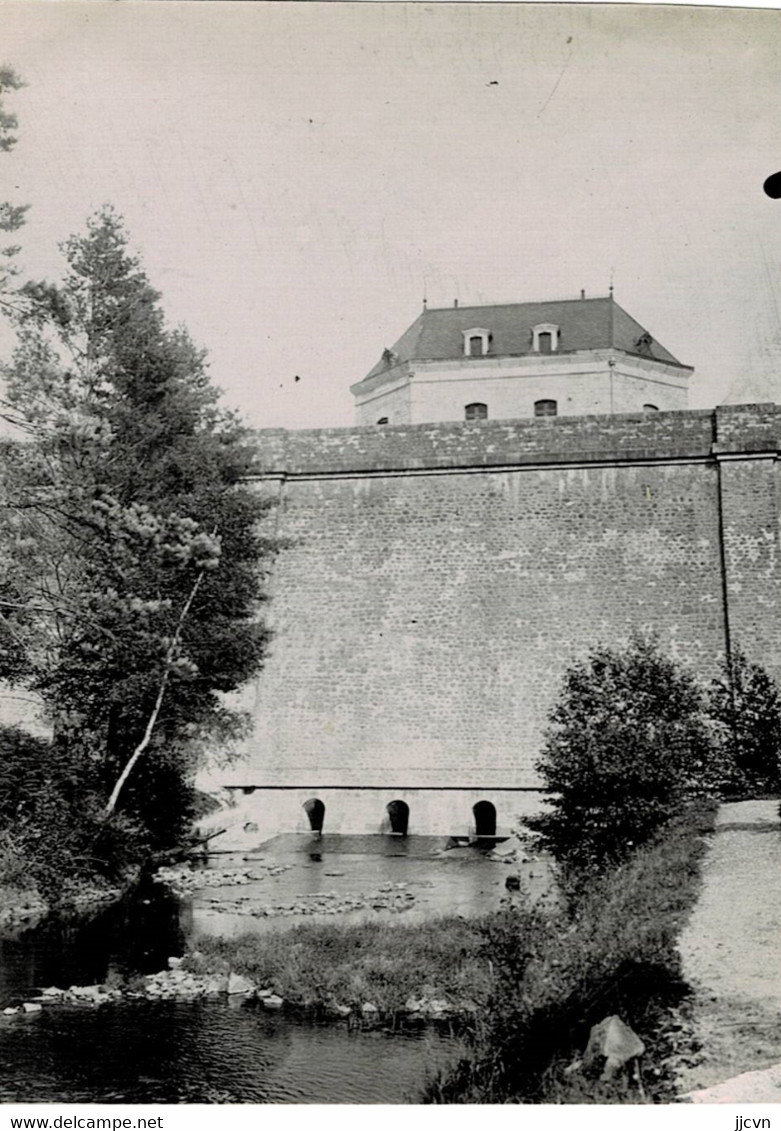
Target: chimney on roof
<point>455,303</point>
<point>582,293</point>
<point>425,304</point>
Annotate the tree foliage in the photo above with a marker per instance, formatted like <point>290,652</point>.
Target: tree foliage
<point>11,215</point>
<point>130,560</point>
<point>746,703</point>
<point>628,742</point>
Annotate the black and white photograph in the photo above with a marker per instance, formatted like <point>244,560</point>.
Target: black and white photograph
<point>390,558</point>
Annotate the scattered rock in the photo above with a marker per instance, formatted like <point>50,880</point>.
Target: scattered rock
<point>10,1011</point>
<point>273,1001</point>
<point>614,1041</point>
<point>238,984</point>
<point>91,992</point>
<point>32,1007</point>
<point>437,1007</point>
<point>389,897</point>
<point>175,963</point>
<point>369,1009</point>
<point>184,881</point>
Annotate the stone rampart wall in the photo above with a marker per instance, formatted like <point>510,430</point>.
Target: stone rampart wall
<point>434,582</point>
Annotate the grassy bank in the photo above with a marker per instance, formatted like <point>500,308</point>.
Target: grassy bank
<point>382,963</point>
<point>616,953</point>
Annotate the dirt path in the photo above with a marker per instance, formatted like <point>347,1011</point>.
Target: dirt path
<point>731,951</point>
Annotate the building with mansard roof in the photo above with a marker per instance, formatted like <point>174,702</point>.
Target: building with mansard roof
<point>575,357</point>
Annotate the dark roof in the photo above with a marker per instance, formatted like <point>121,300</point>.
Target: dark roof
<point>584,324</point>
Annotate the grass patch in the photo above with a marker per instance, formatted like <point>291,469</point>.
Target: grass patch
<point>384,963</point>
<point>614,953</point>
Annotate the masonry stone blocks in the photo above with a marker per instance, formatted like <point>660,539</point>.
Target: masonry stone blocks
<point>433,583</point>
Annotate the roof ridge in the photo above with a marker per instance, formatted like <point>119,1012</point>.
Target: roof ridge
<point>529,302</point>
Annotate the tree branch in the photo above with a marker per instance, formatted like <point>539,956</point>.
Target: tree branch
<point>152,720</point>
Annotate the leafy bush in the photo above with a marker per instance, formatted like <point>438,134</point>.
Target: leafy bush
<point>629,742</point>
<point>53,835</point>
<point>746,704</point>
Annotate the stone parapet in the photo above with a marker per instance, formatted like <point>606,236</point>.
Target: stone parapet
<point>502,443</point>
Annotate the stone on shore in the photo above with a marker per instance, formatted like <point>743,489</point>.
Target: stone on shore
<point>614,1042</point>
<point>437,1007</point>
<point>238,984</point>
<point>273,1001</point>
<point>92,993</point>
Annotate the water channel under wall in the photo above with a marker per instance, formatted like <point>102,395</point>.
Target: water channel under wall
<point>225,1050</point>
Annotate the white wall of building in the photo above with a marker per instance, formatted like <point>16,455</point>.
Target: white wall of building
<point>582,384</point>
<point>391,400</point>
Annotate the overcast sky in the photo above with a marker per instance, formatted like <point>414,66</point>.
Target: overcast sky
<point>296,176</point>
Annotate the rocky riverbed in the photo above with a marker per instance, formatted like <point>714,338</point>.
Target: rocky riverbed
<point>182,982</point>
<point>393,897</point>
<point>354,880</point>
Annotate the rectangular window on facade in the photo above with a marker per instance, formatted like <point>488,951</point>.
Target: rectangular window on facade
<point>476,411</point>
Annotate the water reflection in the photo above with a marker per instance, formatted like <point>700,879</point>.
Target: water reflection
<point>206,1052</point>
<point>135,935</point>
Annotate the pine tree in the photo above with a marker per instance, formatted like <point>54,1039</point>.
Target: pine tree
<point>11,215</point>
<point>131,575</point>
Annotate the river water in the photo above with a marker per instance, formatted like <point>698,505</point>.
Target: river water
<point>221,1050</point>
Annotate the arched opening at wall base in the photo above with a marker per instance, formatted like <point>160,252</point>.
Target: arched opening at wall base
<point>398,815</point>
<point>315,811</point>
<point>484,813</point>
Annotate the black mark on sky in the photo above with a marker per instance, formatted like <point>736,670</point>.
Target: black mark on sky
<point>772,186</point>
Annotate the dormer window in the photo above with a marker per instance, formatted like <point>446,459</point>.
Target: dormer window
<point>545,408</point>
<point>545,338</point>
<point>476,411</point>
<point>476,342</point>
